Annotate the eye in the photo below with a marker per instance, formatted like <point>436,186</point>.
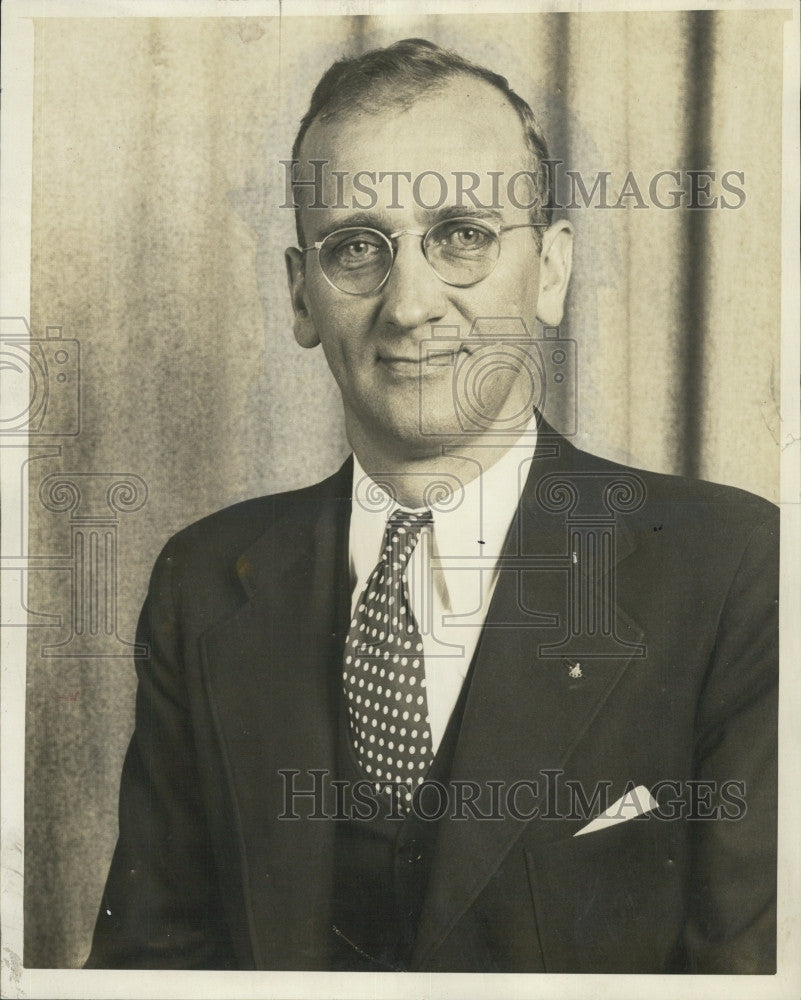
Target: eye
<point>462,236</point>
<point>355,248</point>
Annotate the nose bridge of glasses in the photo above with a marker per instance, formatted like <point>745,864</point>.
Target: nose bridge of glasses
<point>421,233</point>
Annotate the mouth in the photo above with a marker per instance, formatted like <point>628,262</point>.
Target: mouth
<point>429,358</point>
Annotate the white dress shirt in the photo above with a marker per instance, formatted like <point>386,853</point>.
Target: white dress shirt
<point>451,575</point>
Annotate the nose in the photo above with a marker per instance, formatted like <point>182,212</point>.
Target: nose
<point>413,295</point>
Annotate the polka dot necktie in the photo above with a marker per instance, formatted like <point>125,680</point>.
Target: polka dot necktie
<point>384,672</point>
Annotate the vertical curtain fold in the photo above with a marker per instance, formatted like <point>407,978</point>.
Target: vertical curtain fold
<point>700,33</point>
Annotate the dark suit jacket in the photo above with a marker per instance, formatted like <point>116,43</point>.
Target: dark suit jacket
<point>245,620</point>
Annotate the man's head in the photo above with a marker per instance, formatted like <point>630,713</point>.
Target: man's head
<point>391,79</point>
<point>402,345</point>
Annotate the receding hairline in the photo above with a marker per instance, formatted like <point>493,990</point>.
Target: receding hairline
<point>408,98</point>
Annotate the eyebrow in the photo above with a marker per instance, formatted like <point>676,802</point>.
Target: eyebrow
<point>465,212</point>
<point>372,220</point>
<point>357,220</point>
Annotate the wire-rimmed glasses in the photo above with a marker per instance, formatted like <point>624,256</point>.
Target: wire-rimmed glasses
<point>358,260</point>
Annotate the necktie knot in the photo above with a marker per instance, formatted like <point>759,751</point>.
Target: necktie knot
<point>409,521</point>
<point>402,534</point>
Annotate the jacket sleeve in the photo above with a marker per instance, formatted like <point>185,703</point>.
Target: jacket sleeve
<point>731,926</point>
<point>161,905</point>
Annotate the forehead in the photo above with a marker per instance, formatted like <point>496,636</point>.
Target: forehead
<point>464,127</point>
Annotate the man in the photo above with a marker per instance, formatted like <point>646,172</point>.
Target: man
<point>479,701</point>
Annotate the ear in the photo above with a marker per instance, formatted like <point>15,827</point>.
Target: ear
<point>556,261</point>
<point>304,328</point>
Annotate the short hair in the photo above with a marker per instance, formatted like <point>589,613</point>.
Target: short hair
<point>396,76</point>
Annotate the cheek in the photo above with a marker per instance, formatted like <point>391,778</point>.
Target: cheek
<point>509,292</point>
<point>342,324</point>
<point>522,289</point>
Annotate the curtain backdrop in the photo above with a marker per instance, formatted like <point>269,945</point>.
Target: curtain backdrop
<point>158,245</point>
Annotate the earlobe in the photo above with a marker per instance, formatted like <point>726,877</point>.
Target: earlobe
<point>556,261</point>
<point>303,327</point>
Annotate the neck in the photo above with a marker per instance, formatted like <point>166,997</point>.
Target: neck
<point>418,480</point>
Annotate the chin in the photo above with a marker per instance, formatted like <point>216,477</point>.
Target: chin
<point>420,442</point>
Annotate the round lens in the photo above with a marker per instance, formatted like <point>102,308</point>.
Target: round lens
<point>462,251</point>
<point>356,261</point>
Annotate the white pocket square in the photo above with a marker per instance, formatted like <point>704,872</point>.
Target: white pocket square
<point>634,803</point>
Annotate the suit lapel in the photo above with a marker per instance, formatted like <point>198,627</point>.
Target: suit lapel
<point>273,692</point>
<point>524,713</point>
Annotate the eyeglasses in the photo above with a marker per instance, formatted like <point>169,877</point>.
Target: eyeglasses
<point>462,252</point>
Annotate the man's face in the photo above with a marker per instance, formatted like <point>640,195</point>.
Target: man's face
<point>398,400</point>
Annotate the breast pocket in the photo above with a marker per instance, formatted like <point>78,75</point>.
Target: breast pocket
<point>609,901</point>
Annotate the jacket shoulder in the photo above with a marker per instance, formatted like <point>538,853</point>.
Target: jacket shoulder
<point>219,538</point>
<point>702,497</point>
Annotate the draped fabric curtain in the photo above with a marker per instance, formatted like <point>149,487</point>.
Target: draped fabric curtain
<point>158,245</point>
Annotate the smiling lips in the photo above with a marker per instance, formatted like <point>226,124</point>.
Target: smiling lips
<point>444,358</point>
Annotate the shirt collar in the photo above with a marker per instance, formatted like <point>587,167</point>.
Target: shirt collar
<point>471,521</point>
